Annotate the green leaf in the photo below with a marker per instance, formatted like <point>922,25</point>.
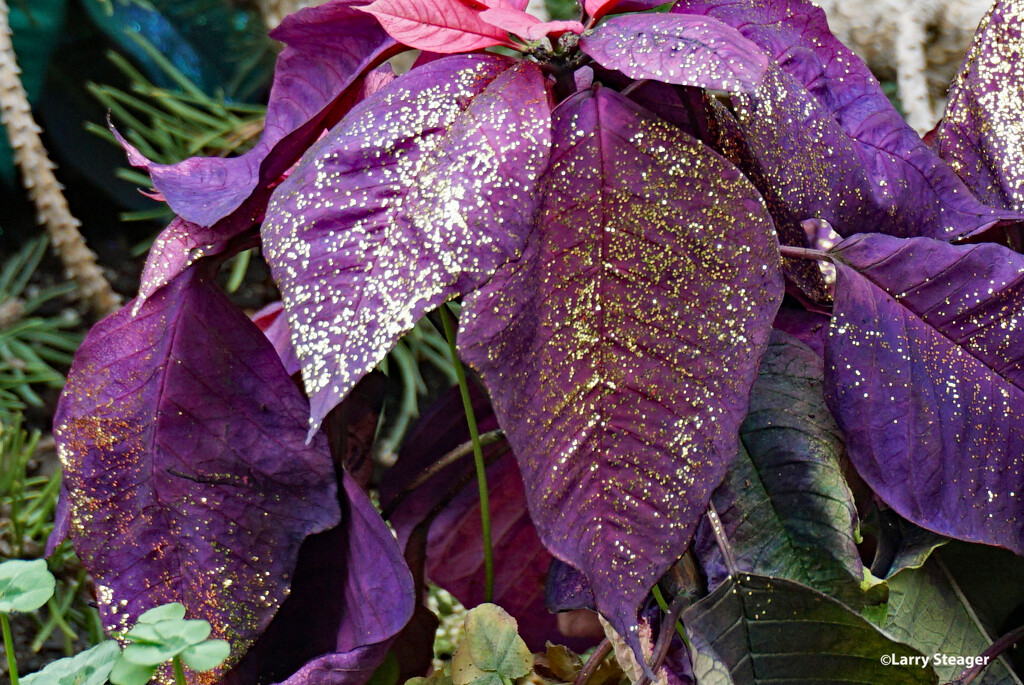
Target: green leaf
<point>91,667</point>
<point>25,585</point>
<point>164,612</point>
<point>787,509</point>
<point>928,611</point>
<point>186,632</point>
<point>491,646</point>
<point>388,672</point>
<point>150,655</point>
<point>210,654</point>
<point>127,673</point>
<point>755,629</point>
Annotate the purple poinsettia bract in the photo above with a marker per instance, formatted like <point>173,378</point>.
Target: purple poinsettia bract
<point>828,138</point>
<point>621,201</point>
<point>925,376</point>
<point>188,475</point>
<point>622,430</point>
<point>416,197</point>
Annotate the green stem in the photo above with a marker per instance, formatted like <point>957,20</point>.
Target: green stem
<point>179,672</point>
<point>660,599</point>
<point>12,664</point>
<point>448,319</point>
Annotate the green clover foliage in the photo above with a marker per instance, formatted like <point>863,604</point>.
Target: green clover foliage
<point>164,634</point>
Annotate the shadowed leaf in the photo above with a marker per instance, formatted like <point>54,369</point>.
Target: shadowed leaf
<point>928,611</point>
<point>620,349</point>
<point>754,630</point>
<point>785,505</point>
<point>214,487</point>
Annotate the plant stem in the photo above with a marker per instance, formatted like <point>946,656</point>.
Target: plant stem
<point>594,662</point>
<point>803,253</point>
<point>993,653</point>
<point>12,664</point>
<point>448,319</point>
<point>179,672</point>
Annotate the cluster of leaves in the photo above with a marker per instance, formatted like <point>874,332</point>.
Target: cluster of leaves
<point>635,208</point>
<point>161,635</point>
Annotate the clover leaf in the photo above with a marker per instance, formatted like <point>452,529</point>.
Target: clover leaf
<point>25,585</point>
<point>164,634</point>
<point>91,667</point>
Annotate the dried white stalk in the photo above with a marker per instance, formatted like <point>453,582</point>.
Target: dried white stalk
<point>43,188</point>
<point>919,43</point>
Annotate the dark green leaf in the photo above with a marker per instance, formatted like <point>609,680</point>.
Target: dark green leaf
<point>787,509</point>
<point>755,629</point>
<point>928,611</point>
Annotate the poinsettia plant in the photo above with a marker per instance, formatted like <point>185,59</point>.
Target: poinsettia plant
<point>716,294</point>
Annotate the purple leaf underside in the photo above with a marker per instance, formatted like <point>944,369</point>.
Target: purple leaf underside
<point>982,134</point>
<point>620,349</point>
<point>830,140</point>
<point>925,376</point>
<point>680,49</point>
<point>188,476</point>
<point>416,197</point>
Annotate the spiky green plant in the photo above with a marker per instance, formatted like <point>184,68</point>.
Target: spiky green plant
<point>34,347</point>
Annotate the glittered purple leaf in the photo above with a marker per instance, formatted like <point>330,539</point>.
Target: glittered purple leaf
<point>680,49</point>
<point>326,49</point>
<point>982,133</point>
<point>416,197</point>
<point>620,348</point>
<point>188,476</point>
<point>828,137</point>
<point>925,376</point>
<point>351,589</point>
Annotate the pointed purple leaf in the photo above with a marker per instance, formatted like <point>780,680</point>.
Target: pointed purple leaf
<point>455,556</point>
<point>189,480</point>
<point>925,376</point>
<point>622,393</point>
<point>351,589</point>
<point>326,49</point>
<point>829,138</point>
<point>680,49</point>
<point>982,135</point>
<point>416,197</point>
